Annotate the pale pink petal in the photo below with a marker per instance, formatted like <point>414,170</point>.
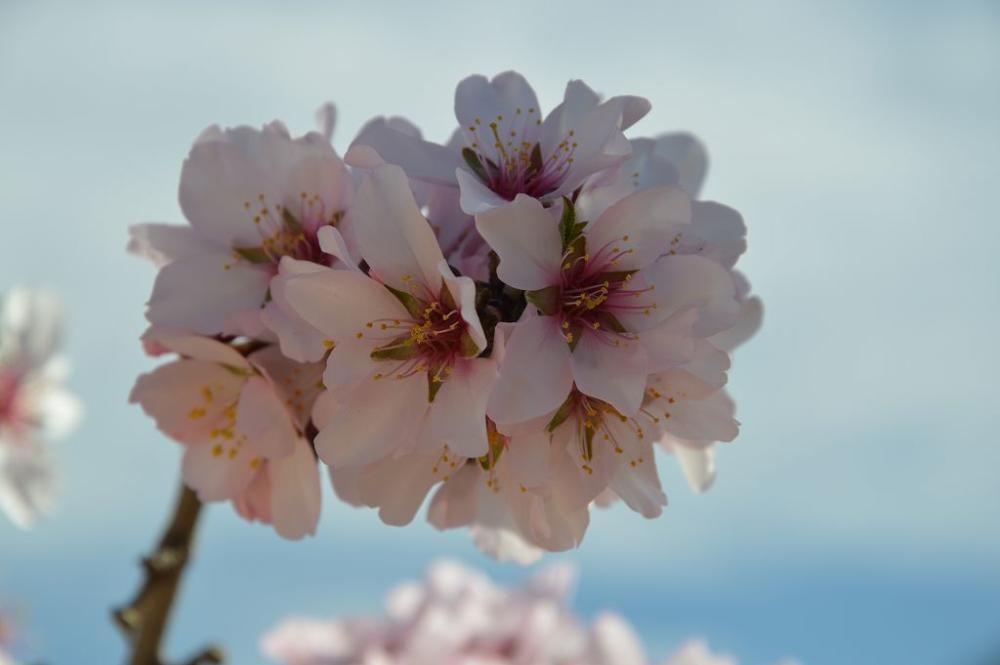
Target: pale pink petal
<point>692,281</point>
<point>749,321</point>
<point>163,243</point>
<point>340,302</point>
<point>475,197</point>
<point>613,373</point>
<point>615,643</point>
<point>696,652</point>
<point>526,238</point>
<point>528,452</point>
<point>295,492</point>
<point>265,421</point>
<point>326,119</point>
<point>28,482</point>
<point>377,417</point>
<point>196,347</point>
<point>638,484</point>
<point>296,384</point>
<point>333,243</point>
<point>688,156</point>
<point>217,472</point>
<point>641,225</point>
<point>299,340</point>
<point>404,483</point>
<point>536,372</point>
<point>718,233</point>
<point>381,141</point>
<point>254,504</point>
<point>198,293</point>
<point>698,465</point>
<point>187,398</point>
<point>393,237</point>
<point>454,504</point>
<point>458,413</point>
<point>709,419</point>
<point>463,292</point>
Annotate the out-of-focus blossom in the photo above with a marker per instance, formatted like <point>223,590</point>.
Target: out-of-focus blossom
<point>35,407</point>
<point>9,639</point>
<point>251,197</point>
<point>457,616</point>
<point>242,420</point>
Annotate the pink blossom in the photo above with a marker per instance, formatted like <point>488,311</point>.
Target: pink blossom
<point>606,307</point>
<point>457,616</point>
<point>251,197</point>
<point>506,146</point>
<point>242,422</point>
<point>35,408</point>
<point>404,338</point>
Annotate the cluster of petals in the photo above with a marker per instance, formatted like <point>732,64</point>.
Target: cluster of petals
<point>510,321</point>
<point>35,406</point>
<point>457,616</point>
<point>6,638</point>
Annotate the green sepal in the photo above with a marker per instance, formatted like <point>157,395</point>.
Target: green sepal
<point>616,275</point>
<point>546,300</point>
<point>291,222</point>
<point>489,460</point>
<point>588,442</point>
<point>575,331</point>
<point>537,163</point>
<point>472,160</point>
<point>252,254</point>
<point>415,306</point>
<point>401,348</point>
<point>433,384</point>
<point>610,322</point>
<point>469,347</point>
<point>567,223</point>
<point>562,413</point>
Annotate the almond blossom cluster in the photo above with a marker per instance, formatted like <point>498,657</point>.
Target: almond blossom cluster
<point>35,407</point>
<point>459,617</point>
<point>512,320</point>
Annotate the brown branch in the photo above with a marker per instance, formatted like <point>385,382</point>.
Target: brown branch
<point>144,620</point>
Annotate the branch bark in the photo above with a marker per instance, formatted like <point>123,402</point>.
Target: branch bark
<point>144,621</point>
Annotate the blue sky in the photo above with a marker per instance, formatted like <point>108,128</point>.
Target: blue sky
<point>855,520</point>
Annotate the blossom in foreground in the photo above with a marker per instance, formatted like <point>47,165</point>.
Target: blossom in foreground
<point>457,616</point>
<point>505,145</point>
<point>251,197</point>
<point>405,338</point>
<point>35,407</point>
<point>510,324</point>
<point>241,419</point>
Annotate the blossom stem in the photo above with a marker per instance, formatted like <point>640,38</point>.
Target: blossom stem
<point>144,620</point>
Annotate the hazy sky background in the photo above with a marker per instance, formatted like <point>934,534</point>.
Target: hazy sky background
<point>857,518</point>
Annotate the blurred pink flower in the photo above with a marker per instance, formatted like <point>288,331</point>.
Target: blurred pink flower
<point>35,408</point>
<point>457,616</point>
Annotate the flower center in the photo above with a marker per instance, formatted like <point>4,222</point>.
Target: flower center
<point>598,423</point>
<point>429,340</point>
<point>593,292</point>
<point>287,230</point>
<point>506,156</point>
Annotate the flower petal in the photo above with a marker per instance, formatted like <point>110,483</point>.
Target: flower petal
<point>393,237</point>
<point>526,238</point>
<point>641,224</point>
<point>458,413</point>
<point>265,421</point>
<point>218,473</point>
<point>613,373</point>
<point>163,243</point>
<point>295,492</point>
<point>27,482</point>
<point>535,375</point>
<point>199,293</point>
<point>381,141</point>
<point>375,418</point>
